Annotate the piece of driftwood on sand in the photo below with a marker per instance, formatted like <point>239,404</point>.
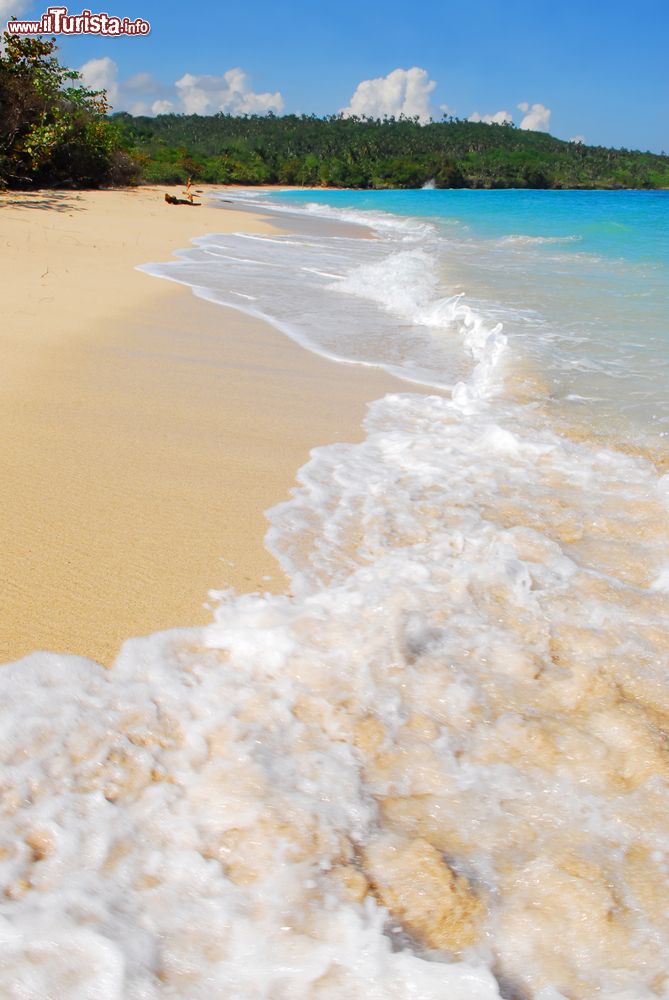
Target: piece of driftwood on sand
<point>171,200</point>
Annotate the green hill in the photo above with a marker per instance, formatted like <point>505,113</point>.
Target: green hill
<point>56,132</point>
<point>351,152</point>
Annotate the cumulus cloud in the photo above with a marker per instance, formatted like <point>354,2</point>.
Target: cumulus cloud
<point>537,117</point>
<point>102,74</point>
<point>577,138</point>
<point>499,118</point>
<point>204,95</point>
<point>162,107</point>
<point>143,94</point>
<point>402,92</point>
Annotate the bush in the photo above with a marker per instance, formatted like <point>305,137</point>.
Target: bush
<point>53,131</point>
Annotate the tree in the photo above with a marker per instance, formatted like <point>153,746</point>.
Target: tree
<point>373,153</point>
<point>53,130</point>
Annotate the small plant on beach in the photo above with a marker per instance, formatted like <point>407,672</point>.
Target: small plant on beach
<point>53,130</point>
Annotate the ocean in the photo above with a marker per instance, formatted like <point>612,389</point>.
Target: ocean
<point>438,767</point>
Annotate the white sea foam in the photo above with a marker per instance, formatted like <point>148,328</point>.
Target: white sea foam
<point>566,313</point>
<point>525,240</point>
<point>133,782</point>
<point>437,769</point>
<point>467,684</point>
<point>381,222</point>
<point>405,319</point>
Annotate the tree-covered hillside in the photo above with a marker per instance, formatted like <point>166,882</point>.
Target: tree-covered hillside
<point>56,132</point>
<point>352,152</point>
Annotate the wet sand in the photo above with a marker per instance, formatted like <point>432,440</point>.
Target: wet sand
<point>145,431</point>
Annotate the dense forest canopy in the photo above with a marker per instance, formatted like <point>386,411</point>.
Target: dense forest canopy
<point>56,132</point>
<point>353,152</point>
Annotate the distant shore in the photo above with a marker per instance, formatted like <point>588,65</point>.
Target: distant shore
<point>146,430</point>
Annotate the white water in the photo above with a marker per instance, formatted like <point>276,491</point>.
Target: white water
<point>438,770</point>
<point>304,285</point>
<point>592,323</point>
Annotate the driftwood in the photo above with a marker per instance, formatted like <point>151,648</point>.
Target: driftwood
<point>171,200</point>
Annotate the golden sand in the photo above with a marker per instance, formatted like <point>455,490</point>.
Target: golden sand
<point>145,431</point>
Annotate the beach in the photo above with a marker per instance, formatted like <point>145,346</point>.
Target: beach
<point>146,431</point>
<point>431,760</point>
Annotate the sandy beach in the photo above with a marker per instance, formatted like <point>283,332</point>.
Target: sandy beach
<point>145,431</point>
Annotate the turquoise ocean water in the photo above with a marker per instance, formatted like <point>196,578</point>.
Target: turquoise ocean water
<point>581,279</point>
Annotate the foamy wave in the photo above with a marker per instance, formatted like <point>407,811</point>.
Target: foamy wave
<point>312,288</point>
<point>437,770</point>
<point>165,842</point>
<point>538,240</point>
<point>438,766</point>
<point>383,222</point>
<point>405,283</point>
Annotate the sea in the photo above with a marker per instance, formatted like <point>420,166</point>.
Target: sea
<point>437,767</point>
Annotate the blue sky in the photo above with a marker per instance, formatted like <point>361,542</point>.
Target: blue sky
<point>587,68</point>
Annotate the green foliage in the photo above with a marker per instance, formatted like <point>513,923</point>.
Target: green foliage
<point>393,153</point>
<point>54,131</point>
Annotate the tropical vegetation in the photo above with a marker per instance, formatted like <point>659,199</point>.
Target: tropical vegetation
<point>56,132</point>
<point>393,153</point>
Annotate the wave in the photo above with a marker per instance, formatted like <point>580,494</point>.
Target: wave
<point>405,778</point>
<point>376,302</point>
<point>381,222</point>
<point>408,227</point>
<point>437,767</point>
<point>538,240</point>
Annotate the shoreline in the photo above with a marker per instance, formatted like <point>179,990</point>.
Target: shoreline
<point>454,731</point>
<point>138,460</point>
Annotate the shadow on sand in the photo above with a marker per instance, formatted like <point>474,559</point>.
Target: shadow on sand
<point>56,201</point>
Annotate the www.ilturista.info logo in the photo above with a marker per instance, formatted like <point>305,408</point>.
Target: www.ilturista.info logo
<point>57,21</point>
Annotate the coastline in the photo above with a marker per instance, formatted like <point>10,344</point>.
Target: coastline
<point>147,430</point>
<point>472,659</point>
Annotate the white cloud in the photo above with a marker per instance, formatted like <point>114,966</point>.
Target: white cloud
<point>143,94</point>
<point>205,95</point>
<point>402,92</point>
<point>499,118</point>
<point>537,118</point>
<point>102,74</point>
<point>134,107</point>
<point>162,107</point>
<point>577,138</point>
